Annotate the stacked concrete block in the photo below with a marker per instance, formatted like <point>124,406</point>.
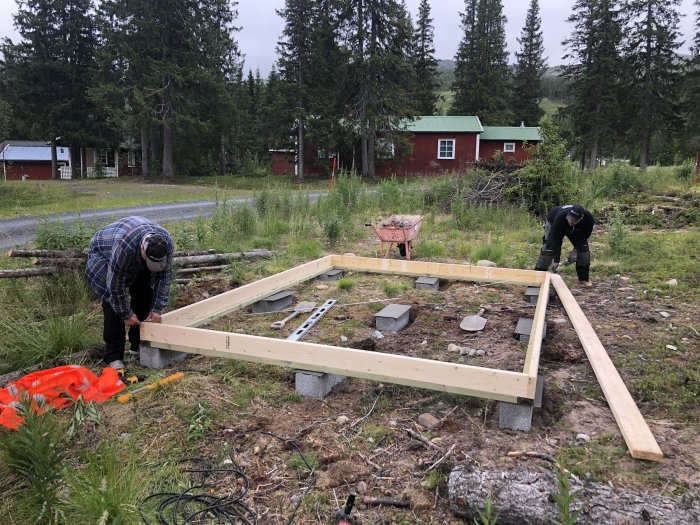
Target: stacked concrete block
<point>156,358</point>
<point>524,327</point>
<point>427,283</point>
<point>518,416</point>
<point>315,384</point>
<point>393,318</point>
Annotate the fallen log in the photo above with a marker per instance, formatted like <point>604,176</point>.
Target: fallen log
<point>198,260</point>
<point>372,501</point>
<point>50,254</point>
<point>27,272</point>
<point>68,261</point>
<point>524,497</point>
<point>199,269</point>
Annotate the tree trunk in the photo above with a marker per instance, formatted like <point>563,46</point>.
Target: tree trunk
<point>168,164</point>
<point>144,152</point>
<point>83,163</point>
<point>371,150</point>
<point>363,87</point>
<point>222,154</point>
<point>74,161</point>
<point>300,149</point>
<point>54,160</point>
<point>593,159</point>
<point>644,149</point>
<point>524,497</point>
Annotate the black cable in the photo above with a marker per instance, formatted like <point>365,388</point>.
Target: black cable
<point>197,504</point>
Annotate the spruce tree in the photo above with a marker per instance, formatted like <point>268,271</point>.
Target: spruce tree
<point>48,73</point>
<point>424,61</point>
<point>594,74</point>
<point>691,88</point>
<point>481,65</point>
<point>651,45</point>
<point>530,66</point>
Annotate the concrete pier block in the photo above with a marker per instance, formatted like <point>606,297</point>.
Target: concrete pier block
<point>315,384</point>
<point>518,416</point>
<point>392,318</point>
<point>273,303</point>
<point>532,294</point>
<point>331,275</point>
<point>150,357</point>
<point>427,283</point>
<point>524,327</point>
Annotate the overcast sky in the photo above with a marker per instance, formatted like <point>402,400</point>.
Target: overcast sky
<point>261,27</point>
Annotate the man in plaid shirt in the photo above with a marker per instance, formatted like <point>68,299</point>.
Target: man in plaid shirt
<point>132,253</point>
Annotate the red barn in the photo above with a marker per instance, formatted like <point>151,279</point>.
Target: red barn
<point>29,159</point>
<point>508,143</point>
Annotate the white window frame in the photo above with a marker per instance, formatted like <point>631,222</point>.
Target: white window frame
<point>509,147</point>
<point>440,141</point>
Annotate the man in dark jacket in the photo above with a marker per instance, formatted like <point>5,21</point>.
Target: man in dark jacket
<point>132,253</point>
<point>575,223</point>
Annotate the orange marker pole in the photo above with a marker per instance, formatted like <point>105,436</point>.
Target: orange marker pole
<point>333,173</point>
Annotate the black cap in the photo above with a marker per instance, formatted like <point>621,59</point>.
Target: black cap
<point>156,248</point>
<point>575,213</point>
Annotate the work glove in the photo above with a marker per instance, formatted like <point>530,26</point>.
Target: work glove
<point>555,267</point>
<point>573,257</point>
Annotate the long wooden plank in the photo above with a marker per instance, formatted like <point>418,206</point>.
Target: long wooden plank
<point>203,312</point>
<point>532,358</point>
<point>465,272</point>
<point>435,375</point>
<point>639,439</point>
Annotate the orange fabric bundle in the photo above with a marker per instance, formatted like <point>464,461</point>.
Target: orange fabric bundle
<point>56,388</point>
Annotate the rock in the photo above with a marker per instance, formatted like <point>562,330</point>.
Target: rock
<point>377,334</point>
<point>322,287</point>
<point>466,351</point>
<point>671,347</point>
<point>487,263</point>
<point>228,461</point>
<point>124,436</point>
<point>361,487</point>
<point>454,348</point>
<point>664,314</point>
<point>625,278</point>
<point>342,420</point>
<point>584,438</point>
<point>428,421</point>
<point>552,442</point>
<point>672,282</point>
<point>393,423</point>
<point>424,343</point>
<point>370,439</point>
<point>343,339</point>
<point>480,352</point>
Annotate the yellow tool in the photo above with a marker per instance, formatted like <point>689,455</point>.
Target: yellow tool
<point>174,377</point>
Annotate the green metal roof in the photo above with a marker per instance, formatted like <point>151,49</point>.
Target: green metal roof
<point>510,133</point>
<point>444,125</point>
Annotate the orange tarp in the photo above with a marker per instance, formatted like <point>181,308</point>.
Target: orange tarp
<point>56,388</point>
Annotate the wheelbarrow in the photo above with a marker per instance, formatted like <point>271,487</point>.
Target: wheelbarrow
<point>400,230</point>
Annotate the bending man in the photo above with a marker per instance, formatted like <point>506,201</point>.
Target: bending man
<point>132,253</point>
<point>575,223</point>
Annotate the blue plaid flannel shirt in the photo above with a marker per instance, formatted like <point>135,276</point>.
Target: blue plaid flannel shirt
<point>114,263</point>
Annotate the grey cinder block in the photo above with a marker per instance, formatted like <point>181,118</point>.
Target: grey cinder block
<point>524,327</point>
<point>315,384</point>
<point>427,283</point>
<point>157,358</point>
<point>331,275</point>
<point>515,416</point>
<point>392,318</point>
<point>532,294</point>
<point>273,303</point>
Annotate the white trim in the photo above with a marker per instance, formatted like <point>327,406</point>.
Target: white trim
<point>506,149</point>
<point>454,147</point>
<point>478,146</point>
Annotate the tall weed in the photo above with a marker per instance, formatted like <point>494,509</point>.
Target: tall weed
<point>62,235</point>
<point>618,238</point>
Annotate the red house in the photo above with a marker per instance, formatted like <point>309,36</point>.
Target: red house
<point>30,159</point>
<point>508,143</point>
<point>439,144</point>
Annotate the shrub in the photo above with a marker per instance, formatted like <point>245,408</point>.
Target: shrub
<point>345,283</point>
<point>332,229</point>
<point>618,235</point>
<point>62,236</point>
<point>685,170</point>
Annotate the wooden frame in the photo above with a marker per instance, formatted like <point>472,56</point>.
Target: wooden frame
<point>179,331</point>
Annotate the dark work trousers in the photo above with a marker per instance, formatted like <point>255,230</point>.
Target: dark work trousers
<point>114,333</point>
<point>583,253</point>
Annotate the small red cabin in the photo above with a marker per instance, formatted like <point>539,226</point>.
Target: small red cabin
<point>508,144</point>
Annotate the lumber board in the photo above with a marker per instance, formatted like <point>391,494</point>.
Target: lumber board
<point>203,312</point>
<point>424,373</point>
<point>534,347</point>
<point>464,272</point>
<point>636,432</point>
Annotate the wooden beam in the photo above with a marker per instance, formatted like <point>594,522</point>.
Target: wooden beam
<point>464,272</point>
<point>639,439</point>
<point>532,358</point>
<point>206,311</point>
<point>435,375</point>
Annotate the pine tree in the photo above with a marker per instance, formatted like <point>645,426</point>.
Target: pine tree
<point>651,46</point>
<point>48,73</point>
<point>530,66</point>
<point>424,61</point>
<point>481,64</point>
<point>594,76</point>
